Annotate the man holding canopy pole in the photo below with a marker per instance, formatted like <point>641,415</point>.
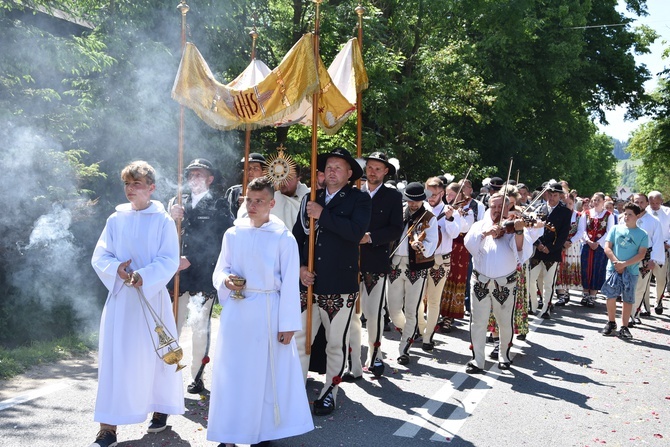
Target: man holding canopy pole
<point>343,214</point>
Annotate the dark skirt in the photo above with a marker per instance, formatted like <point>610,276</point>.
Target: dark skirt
<point>594,263</point>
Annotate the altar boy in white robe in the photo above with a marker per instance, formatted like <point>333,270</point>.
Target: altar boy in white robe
<point>138,252</point>
<point>258,393</point>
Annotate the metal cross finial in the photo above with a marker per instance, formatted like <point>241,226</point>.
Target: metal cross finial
<point>183,7</point>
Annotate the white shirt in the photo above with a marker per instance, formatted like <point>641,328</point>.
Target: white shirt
<point>448,229</point>
<point>372,192</point>
<point>610,224</point>
<point>650,224</point>
<point>195,198</point>
<point>429,243</point>
<point>495,258</point>
<point>663,216</point>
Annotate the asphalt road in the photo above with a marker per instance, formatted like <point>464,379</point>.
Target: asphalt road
<point>568,386</point>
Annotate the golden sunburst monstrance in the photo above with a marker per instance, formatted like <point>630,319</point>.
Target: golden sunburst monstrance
<point>280,168</point>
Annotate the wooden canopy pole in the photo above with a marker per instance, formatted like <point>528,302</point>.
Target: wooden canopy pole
<point>312,193</point>
<point>247,136</point>
<point>359,126</point>
<point>183,9</point>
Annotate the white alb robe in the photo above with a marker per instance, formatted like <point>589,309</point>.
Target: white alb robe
<point>258,393</point>
<point>132,380</point>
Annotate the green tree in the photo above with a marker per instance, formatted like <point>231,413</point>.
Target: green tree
<point>649,143</point>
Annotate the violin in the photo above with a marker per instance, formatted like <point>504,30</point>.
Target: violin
<point>418,235</point>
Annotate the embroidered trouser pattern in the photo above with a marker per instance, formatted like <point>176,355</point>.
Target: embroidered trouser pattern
<point>196,309</point>
<point>660,272</point>
<point>373,298</point>
<point>542,278</point>
<point>488,294</point>
<point>437,276</point>
<point>335,313</point>
<point>405,292</point>
<point>642,291</point>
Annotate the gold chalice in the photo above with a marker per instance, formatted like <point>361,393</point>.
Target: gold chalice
<point>238,281</point>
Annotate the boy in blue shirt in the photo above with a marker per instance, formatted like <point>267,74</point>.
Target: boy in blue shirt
<point>626,246</point>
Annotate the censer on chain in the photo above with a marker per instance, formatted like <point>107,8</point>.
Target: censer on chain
<point>165,339</point>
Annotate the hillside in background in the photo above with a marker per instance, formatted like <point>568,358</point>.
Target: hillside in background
<point>620,149</point>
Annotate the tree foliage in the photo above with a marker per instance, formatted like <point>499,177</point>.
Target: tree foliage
<point>453,84</point>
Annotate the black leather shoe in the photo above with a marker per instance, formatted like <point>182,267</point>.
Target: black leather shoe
<point>521,337</point>
<point>563,300</point>
<point>403,360</point>
<point>324,406</point>
<point>645,314</point>
<point>350,378</point>
<point>473,369</point>
<point>158,423</point>
<point>377,368</point>
<point>491,339</point>
<point>196,387</point>
<point>546,315</point>
<point>428,347</point>
<point>504,366</point>
<point>495,353</point>
<point>658,309</point>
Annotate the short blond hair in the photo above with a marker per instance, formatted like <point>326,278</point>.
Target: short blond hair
<point>138,170</point>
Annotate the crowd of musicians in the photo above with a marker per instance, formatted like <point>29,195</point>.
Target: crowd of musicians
<point>414,256</point>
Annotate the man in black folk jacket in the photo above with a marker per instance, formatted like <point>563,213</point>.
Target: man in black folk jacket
<point>548,248</point>
<point>343,215</point>
<point>385,227</point>
<point>204,220</point>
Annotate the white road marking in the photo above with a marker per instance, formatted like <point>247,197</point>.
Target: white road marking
<point>25,397</point>
<point>410,428</point>
<point>448,430</point>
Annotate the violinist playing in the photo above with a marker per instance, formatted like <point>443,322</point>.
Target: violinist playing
<point>409,266</point>
<point>449,223</point>
<point>549,247</point>
<point>497,247</point>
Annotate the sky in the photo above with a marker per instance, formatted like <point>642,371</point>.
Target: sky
<point>659,20</point>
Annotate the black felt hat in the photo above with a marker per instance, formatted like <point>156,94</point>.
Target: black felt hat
<point>380,156</point>
<point>496,183</point>
<point>340,152</point>
<point>415,192</point>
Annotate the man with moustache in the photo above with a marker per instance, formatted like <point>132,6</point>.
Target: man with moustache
<point>204,219</point>
<point>660,272</point>
<point>233,195</point>
<point>548,248</point>
<point>655,255</point>
<point>449,222</point>
<point>385,227</point>
<point>409,266</point>
<point>343,215</point>
<point>495,255</point>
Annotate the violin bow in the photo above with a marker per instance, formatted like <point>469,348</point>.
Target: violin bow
<point>509,174</point>
<point>462,182</point>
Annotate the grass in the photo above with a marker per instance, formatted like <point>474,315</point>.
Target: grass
<point>18,360</point>
<point>216,310</point>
